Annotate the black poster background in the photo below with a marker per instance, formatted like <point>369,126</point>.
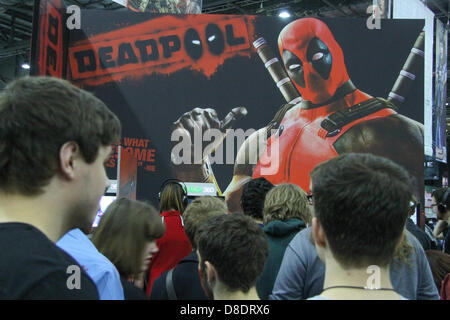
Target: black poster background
<point>147,106</point>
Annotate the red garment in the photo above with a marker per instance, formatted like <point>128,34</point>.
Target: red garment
<point>445,288</point>
<point>173,247</point>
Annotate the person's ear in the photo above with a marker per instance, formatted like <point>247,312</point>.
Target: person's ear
<point>211,272</point>
<point>68,153</point>
<point>318,233</point>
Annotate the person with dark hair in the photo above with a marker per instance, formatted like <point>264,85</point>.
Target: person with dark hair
<point>440,267</point>
<point>440,204</point>
<point>252,199</point>
<point>361,203</point>
<point>174,245</point>
<point>127,235</point>
<point>232,250</point>
<point>346,212</point>
<point>183,281</point>
<point>54,141</point>
<point>286,212</point>
<point>172,198</point>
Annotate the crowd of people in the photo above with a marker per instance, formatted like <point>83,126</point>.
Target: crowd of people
<point>350,238</point>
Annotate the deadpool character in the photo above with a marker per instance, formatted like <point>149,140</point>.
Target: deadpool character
<point>333,118</point>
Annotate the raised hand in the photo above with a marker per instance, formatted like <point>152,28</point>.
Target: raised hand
<point>194,130</point>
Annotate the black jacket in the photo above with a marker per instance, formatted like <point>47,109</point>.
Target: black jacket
<point>130,291</point>
<point>33,268</point>
<point>185,279</point>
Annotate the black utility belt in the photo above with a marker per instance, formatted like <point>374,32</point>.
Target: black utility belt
<point>334,122</point>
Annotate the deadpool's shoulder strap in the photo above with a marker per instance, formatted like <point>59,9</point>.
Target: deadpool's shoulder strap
<point>275,122</point>
<point>334,122</point>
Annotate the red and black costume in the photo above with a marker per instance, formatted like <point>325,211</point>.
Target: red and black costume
<point>315,63</point>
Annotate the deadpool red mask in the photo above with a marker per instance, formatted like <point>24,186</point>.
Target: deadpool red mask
<point>313,59</point>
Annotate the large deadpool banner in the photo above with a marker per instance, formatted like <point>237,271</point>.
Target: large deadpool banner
<point>204,97</point>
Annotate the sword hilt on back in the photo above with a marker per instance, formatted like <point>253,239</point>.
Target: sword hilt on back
<point>410,70</point>
<point>277,71</point>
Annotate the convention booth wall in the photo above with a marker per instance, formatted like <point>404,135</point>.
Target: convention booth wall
<point>150,69</point>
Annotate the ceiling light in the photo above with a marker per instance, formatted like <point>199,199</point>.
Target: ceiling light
<point>25,66</point>
<point>284,14</point>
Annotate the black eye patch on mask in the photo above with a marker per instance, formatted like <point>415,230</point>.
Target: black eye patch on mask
<point>320,57</point>
<point>294,68</point>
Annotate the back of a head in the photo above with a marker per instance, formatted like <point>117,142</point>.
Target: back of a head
<point>37,116</point>
<point>284,202</point>
<point>124,230</point>
<point>362,203</point>
<point>439,194</point>
<point>439,264</point>
<point>171,198</point>
<point>198,212</point>
<point>253,195</point>
<point>237,248</point>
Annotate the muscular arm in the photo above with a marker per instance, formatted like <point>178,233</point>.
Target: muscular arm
<point>395,137</point>
<point>246,159</point>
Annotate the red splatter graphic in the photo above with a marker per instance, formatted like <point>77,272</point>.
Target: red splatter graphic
<point>162,46</point>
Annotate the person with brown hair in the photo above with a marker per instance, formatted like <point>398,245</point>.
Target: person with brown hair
<point>439,265</point>
<point>127,235</point>
<point>232,250</point>
<point>361,203</point>
<point>286,212</point>
<point>183,282</point>
<point>302,273</point>
<point>174,245</point>
<point>54,141</point>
